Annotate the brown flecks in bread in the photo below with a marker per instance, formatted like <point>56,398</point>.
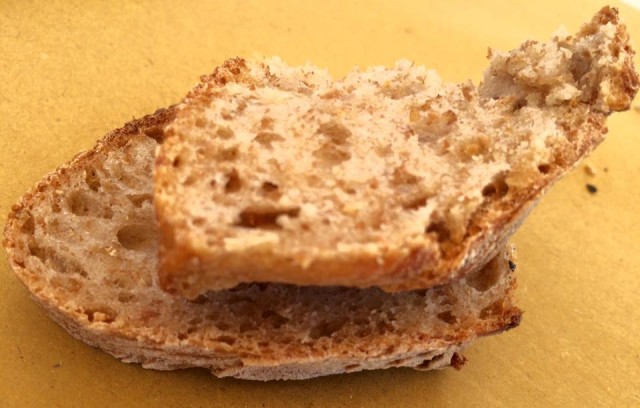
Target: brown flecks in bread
<point>383,164</point>
<point>96,277</point>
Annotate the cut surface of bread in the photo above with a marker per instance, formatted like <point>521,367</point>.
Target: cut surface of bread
<point>84,242</point>
<point>387,177</point>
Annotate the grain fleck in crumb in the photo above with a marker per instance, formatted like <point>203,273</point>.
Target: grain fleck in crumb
<point>592,188</point>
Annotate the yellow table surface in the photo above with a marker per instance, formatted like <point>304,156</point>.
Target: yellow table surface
<point>72,70</point>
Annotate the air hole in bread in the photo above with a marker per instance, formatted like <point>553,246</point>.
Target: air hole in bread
<point>92,179</point>
<point>447,317</point>
<point>224,132</point>
<point>233,183</point>
<point>440,230</point>
<point>331,155</point>
<point>275,319</point>
<point>124,282</point>
<point>398,362</point>
<point>580,64</point>
<point>403,176</point>
<point>138,200</point>
<point>427,364</point>
<point>59,263</point>
<point>228,154</point>
<point>384,327</point>
<point>177,162</point>
<point>126,297</point>
<point>155,132</point>
<point>66,283</point>
<point>485,278</point>
<point>222,326</point>
<point>270,190</point>
<point>265,218</point>
<point>325,329</point>
<point>336,132</point>
<point>102,314</point>
<point>494,309</point>
<point>190,180</point>
<point>544,168</point>
<point>226,339</point>
<point>136,236</point>
<point>28,225</point>
<point>497,188</point>
<point>269,187</point>
<point>200,122</point>
<point>519,104</point>
<point>84,205</point>
<point>266,139</point>
<point>198,221</point>
<point>416,202</point>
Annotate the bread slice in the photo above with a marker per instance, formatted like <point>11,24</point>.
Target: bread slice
<point>84,242</point>
<point>387,177</point>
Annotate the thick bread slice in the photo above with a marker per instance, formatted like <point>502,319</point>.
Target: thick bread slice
<point>386,177</point>
<point>84,242</point>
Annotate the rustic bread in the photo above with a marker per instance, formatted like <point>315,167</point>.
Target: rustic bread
<point>387,177</point>
<point>84,243</point>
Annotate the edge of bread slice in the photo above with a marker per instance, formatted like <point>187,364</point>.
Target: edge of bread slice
<point>387,177</point>
<point>84,243</point>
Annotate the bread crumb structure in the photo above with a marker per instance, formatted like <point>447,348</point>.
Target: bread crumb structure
<point>85,243</point>
<point>387,177</point>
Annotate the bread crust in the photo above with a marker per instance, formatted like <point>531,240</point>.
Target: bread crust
<point>188,267</point>
<point>126,329</point>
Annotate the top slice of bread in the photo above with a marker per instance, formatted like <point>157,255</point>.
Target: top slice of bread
<point>84,242</point>
<point>387,177</point>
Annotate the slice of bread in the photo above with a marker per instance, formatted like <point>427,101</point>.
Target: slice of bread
<point>387,177</point>
<point>84,242</point>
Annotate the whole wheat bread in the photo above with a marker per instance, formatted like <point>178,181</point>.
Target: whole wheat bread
<point>386,177</point>
<point>84,242</point>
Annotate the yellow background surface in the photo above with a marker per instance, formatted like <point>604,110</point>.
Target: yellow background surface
<point>72,70</point>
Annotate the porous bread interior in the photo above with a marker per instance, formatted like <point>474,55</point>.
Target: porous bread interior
<point>267,161</point>
<point>84,242</point>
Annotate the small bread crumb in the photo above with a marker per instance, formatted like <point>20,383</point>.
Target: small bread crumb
<point>592,188</point>
<point>590,170</point>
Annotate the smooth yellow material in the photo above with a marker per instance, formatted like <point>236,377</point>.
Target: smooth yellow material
<point>72,70</point>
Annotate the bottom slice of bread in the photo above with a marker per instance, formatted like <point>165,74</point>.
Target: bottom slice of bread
<point>84,242</point>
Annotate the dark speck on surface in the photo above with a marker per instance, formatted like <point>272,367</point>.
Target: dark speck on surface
<point>512,265</point>
<point>591,188</point>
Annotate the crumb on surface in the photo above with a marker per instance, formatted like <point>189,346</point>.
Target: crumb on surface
<point>512,265</point>
<point>591,188</point>
<point>590,170</point>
